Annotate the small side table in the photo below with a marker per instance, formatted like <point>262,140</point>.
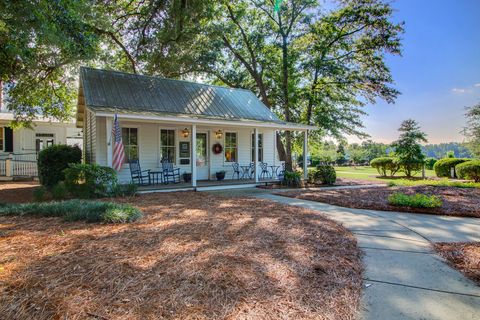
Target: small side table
<point>156,177</point>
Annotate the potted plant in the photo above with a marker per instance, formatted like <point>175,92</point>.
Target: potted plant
<point>187,177</point>
<point>220,175</point>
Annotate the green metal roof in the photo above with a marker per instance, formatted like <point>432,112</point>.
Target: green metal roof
<point>113,91</point>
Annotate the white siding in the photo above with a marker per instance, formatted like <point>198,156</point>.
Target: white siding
<point>149,146</point>
<point>24,138</point>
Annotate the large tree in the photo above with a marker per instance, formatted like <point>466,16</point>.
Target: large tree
<point>306,63</point>
<point>41,45</point>
<point>472,129</point>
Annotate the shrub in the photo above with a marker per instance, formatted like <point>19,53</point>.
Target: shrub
<point>125,190</point>
<point>469,170</point>
<point>443,166</point>
<point>410,166</point>
<point>417,200</point>
<point>323,174</point>
<point>384,164</point>
<point>59,192</point>
<point>53,160</point>
<point>90,180</point>
<point>292,179</point>
<point>74,210</point>
<point>429,163</point>
<point>39,194</point>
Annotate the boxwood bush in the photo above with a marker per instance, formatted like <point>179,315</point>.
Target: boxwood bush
<point>469,170</point>
<point>443,166</point>
<point>323,174</point>
<point>90,180</point>
<point>384,164</point>
<point>74,210</point>
<point>53,160</point>
<point>292,179</point>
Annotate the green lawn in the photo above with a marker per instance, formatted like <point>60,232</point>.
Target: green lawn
<point>371,174</point>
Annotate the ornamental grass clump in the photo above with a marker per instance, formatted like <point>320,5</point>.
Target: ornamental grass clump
<point>75,210</point>
<point>417,200</point>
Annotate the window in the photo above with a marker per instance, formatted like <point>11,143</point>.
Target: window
<point>260,147</point>
<point>44,140</point>
<point>167,145</point>
<point>231,147</point>
<point>2,135</point>
<point>130,143</point>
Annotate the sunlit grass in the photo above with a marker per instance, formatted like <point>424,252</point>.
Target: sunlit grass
<point>371,174</point>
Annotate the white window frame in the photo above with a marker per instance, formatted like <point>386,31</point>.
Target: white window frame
<point>225,147</point>
<point>138,141</point>
<point>252,147</point>
<point>176,140</point>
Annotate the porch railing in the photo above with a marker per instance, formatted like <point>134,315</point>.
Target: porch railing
<point>24,168</point>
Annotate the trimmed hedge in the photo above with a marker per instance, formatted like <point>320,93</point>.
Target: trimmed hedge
<point>443,166</point>
<point>323,174</point>
<point>469,170</point>
<point>74,210</point>
<point>90,180</point>
<point>53,160</point>
<point>384,164</point>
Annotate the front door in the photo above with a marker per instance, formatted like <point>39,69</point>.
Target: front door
<point>202,156</point>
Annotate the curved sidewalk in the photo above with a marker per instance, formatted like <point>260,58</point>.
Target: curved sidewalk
<point>404,279</point>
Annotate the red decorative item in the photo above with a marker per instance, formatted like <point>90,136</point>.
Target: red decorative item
<point>217,148</point>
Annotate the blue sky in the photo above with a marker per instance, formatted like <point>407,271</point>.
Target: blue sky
<point>438,74</point>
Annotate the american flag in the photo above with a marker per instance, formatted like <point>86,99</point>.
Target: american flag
<point>118,150</point>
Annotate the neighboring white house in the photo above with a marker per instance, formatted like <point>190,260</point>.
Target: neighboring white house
<point>19,148</point>
<point>201,128</point>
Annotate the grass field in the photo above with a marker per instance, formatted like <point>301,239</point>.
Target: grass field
<point>369,173</point>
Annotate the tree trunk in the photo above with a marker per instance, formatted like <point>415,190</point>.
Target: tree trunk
<point>288,134</point>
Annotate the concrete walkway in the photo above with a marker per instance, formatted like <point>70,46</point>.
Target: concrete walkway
<point>404,279</point>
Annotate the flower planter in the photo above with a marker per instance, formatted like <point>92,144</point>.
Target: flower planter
<point>220,175</point>
<point>187,177</point>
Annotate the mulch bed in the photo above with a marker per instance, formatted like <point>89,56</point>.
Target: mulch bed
<point>465,256</point>
<point>193,256</point>
<point>17,192</point>
<point>462,202</point>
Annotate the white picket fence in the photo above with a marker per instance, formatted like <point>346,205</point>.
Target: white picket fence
<point>2,167</point>
<point>19,165</point>
<point>25,168</point>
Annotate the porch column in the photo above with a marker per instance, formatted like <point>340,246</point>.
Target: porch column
<point>305,153</point>
<point>109,139</point>
<point>255,146</point>
<point>194,155</point>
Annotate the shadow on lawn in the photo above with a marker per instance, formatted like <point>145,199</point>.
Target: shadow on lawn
<point>194,255</point>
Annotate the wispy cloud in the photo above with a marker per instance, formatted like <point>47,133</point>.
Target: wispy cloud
<point>460,90</point>
<point>477,85</point>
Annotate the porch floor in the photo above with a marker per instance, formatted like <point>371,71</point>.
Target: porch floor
<point>205,185</point>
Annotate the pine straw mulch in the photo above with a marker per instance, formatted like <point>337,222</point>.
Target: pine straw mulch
<point>461,202</point>
<point>465,256</point>
<point>17,192</point>
<point>193,256</point>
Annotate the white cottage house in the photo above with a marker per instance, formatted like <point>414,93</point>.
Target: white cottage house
<point>203,129</point>
<point>19,148</point>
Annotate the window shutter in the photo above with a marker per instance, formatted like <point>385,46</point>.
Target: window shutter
<point>8,139</point>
